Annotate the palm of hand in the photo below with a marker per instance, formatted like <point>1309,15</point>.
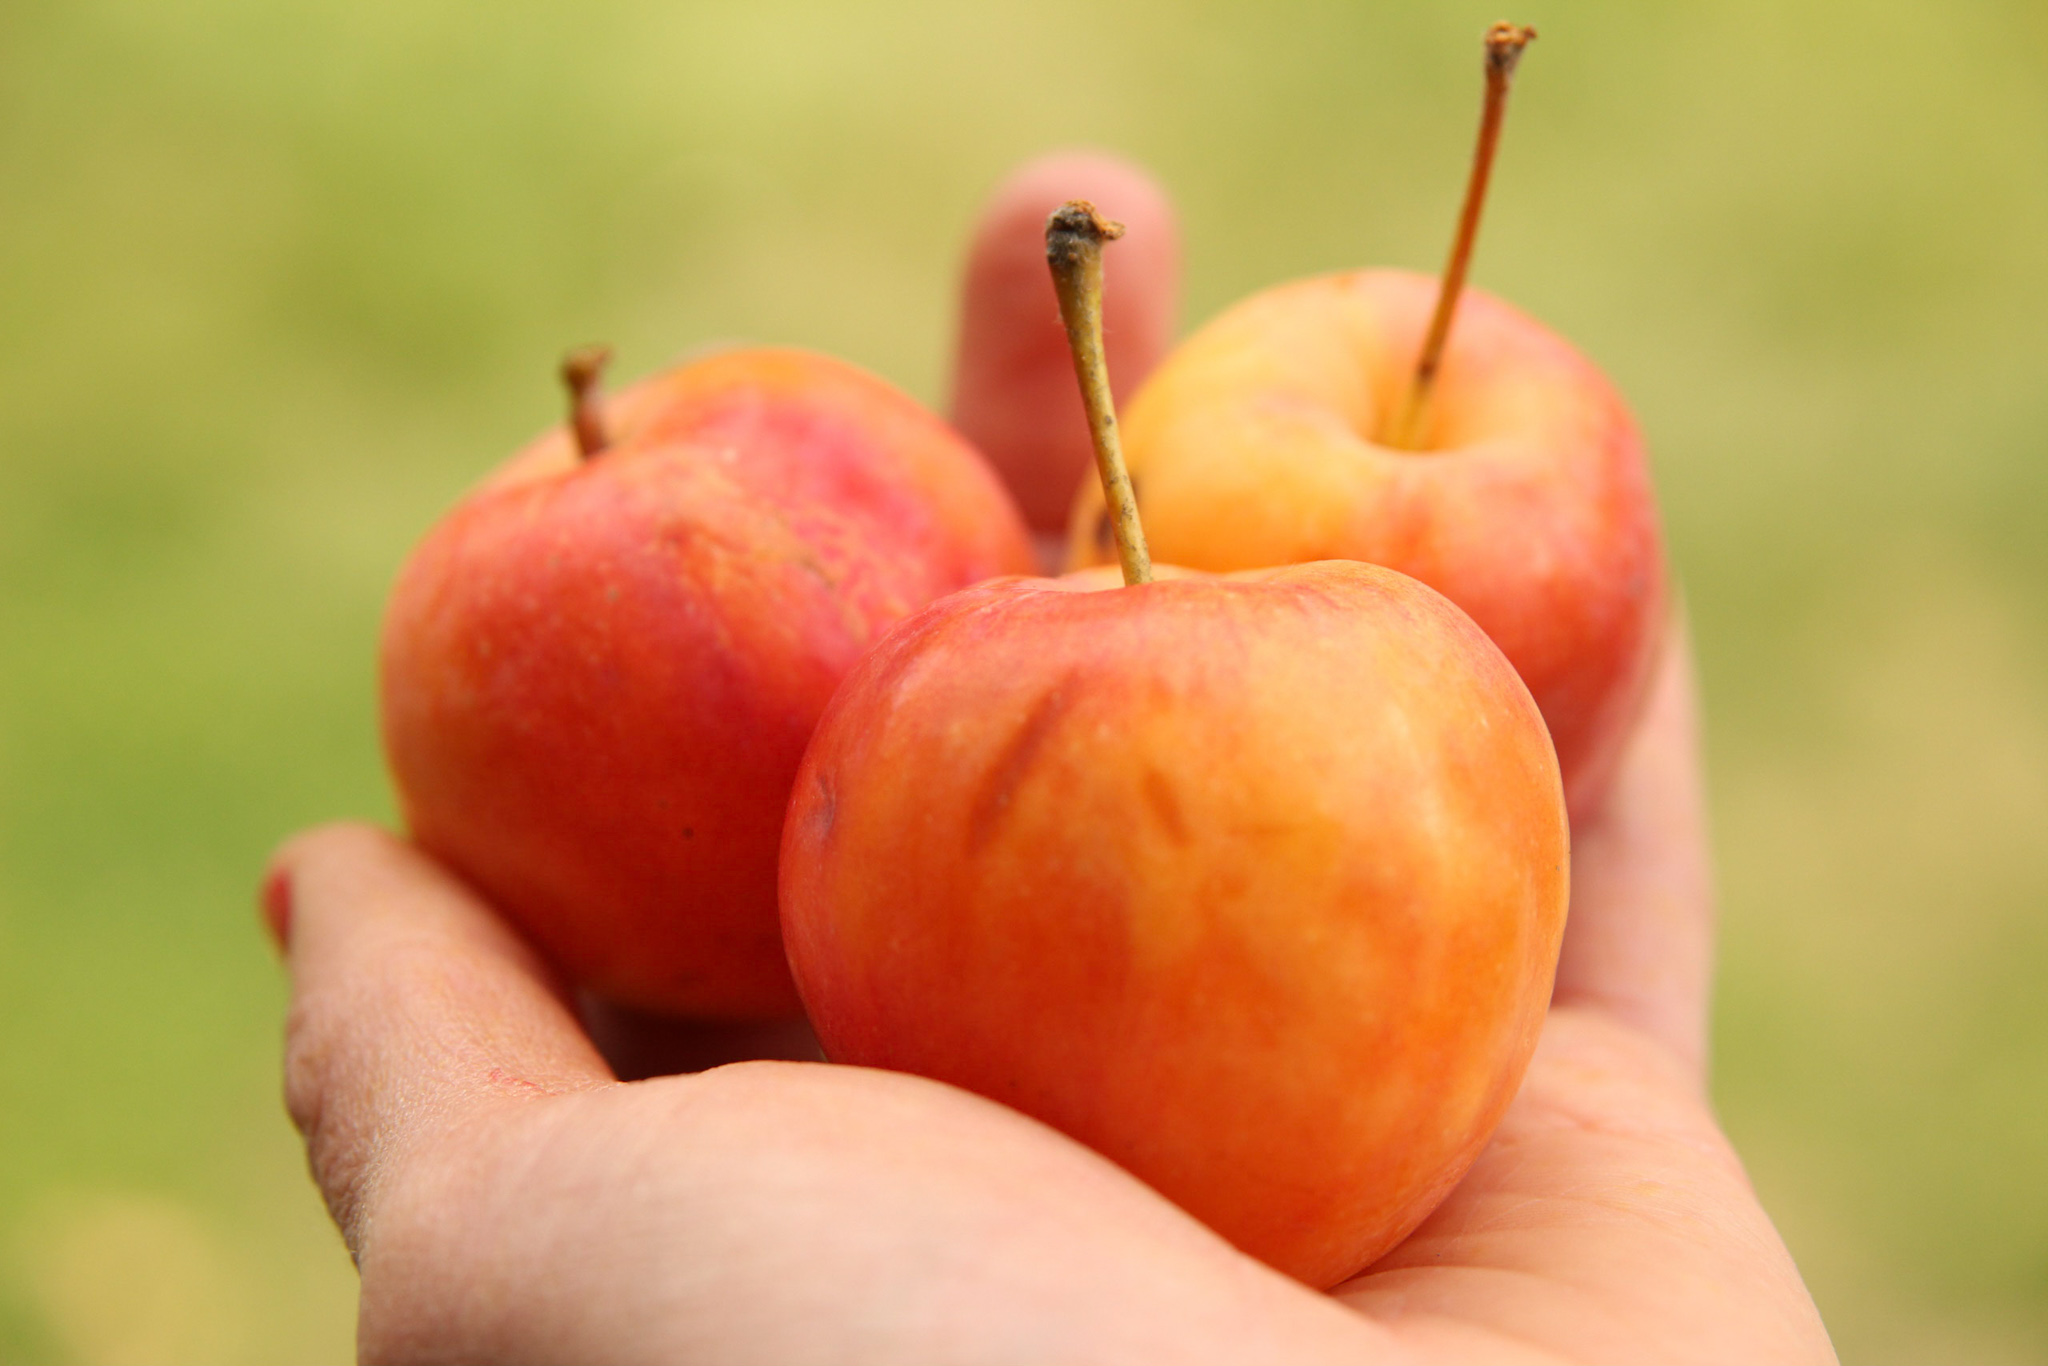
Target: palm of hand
<point>508,1198</point>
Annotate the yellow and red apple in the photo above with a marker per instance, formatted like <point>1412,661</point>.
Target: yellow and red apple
<point>1253,884</point>
<point>1343,417</point>
<point>1262,441</point>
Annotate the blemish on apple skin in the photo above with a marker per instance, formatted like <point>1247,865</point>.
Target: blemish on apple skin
<point>1159,795</point>
<point>1007,773</point>
<point>824,809</point>
<point>815,567</point>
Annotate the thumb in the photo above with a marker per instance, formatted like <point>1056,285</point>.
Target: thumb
<point>414,1009</point>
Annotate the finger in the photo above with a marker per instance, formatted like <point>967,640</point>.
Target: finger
<point>778,1213</point>
<point>1014,393</point>
<point>413,1009</point>
<point>1639,943</point>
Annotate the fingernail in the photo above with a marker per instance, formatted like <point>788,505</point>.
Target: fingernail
<point>276,901</point>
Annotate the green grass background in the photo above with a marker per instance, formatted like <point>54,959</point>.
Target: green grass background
<point>279,277</point>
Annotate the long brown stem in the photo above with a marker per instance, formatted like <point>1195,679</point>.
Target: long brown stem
<point>1073,248</point>
<point>1504,44</point>
<point>583,373</point>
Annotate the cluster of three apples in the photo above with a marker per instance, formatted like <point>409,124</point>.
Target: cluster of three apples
<point>1254,883</point>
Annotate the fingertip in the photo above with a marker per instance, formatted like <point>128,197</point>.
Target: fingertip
<point>277,893</point>
<point>1014,394</point>
<point>377,923</point>
<point>355,887</point>
<point>274,901</point>
<point>1121,189</point>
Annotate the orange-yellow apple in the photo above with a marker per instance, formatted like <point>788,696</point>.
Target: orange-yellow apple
<point>1254,884</point>
<point>1327,418</point>
<point>600,670</point>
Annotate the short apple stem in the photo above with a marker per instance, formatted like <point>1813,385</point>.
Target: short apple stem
<point>583,372</point>
<point>1073,248</point>
<point>1504,44</point>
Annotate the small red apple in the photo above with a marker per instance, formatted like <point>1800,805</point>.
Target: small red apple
<point>1255,884</point>
<point>600,670</point>
<point>1328,418</point>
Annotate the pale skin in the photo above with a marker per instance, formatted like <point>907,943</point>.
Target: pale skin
<point>508,1198</point>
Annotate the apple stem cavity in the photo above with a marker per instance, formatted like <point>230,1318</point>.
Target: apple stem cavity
<point>1074,237</point>
<point>1504,44</point>
<point>583,373</point>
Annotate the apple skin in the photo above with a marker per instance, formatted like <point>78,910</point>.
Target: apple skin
<point>1255,443</point>
<point>1253,884</point>
<point>598,676</point>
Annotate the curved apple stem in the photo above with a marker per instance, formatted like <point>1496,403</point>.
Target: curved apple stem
<point>1073,248</point>
<point>1504,44</point>
<point>583,372</point>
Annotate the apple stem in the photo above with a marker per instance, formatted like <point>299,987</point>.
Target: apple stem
<point>1504,44</point>
<point>583,372</point>
<point>1073,248</point>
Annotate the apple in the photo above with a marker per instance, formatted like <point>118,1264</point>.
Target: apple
<point>1338,417</point>
<point>1253,883</point>
<point>600,669</point>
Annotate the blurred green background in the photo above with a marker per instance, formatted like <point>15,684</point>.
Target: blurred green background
<point>280,277</point>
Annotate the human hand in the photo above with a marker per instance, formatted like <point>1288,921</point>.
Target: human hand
<point>507,1198</point>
